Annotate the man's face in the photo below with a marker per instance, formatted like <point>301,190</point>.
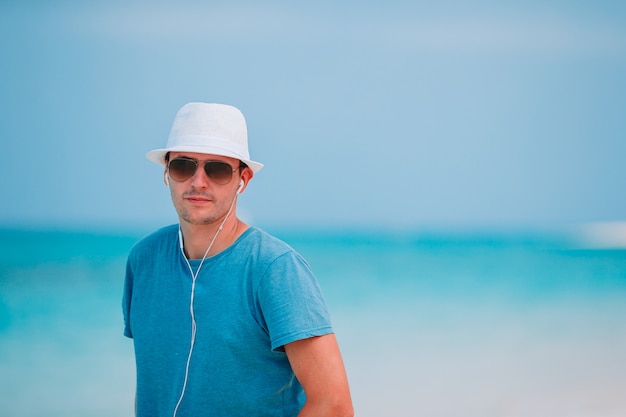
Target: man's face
<point>199,200</point>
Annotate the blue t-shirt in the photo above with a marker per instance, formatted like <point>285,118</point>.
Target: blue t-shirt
<point>250,300</point>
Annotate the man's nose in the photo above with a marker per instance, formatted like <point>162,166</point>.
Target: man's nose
<point>199,178</point>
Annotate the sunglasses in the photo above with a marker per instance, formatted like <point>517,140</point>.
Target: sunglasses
<point>181,169</point>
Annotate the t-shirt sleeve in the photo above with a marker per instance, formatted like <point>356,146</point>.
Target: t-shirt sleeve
<point>292,302</point>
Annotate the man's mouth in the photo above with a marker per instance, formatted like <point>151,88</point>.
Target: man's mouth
<point>198,199</point>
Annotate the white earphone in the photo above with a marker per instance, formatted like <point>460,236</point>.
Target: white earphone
<point>167,180</point>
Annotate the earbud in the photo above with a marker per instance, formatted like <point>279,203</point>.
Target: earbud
<point>167,181</point>
<point>241,184</point>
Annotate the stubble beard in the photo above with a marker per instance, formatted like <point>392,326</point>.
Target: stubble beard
<point>197,220</point>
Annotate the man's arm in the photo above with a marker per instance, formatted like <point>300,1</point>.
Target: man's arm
<point>319,367</point>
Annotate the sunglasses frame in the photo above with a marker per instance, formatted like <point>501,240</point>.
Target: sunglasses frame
<point>204,168</point>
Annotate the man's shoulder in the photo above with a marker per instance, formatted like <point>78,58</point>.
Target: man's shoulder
<point>268,242</point>
<point>268,248</point>
<point>164,235</point>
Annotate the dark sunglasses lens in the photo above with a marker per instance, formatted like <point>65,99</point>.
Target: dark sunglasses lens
<point>182,169</point>
<point>219,172</point>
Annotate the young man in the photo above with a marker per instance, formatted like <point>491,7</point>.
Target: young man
<point>226,320</point>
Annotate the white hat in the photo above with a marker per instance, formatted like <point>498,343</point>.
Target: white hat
<point>215,129</point>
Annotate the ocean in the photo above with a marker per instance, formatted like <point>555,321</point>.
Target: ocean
<point>435,324</point>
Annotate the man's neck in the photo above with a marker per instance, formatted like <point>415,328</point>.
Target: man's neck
<point>198,238</point>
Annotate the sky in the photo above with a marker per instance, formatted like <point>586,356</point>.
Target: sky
<point>411,114</point>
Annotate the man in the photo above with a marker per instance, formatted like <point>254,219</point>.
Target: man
<point>226,320</point>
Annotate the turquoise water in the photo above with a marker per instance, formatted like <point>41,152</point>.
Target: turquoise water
<point>429,324</point>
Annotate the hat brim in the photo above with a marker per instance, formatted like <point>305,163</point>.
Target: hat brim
<point>158,155</point>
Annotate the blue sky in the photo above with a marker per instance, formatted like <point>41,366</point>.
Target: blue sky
<point>399,114</point>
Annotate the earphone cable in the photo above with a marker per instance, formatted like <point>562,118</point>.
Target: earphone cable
<point>194,277</point>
